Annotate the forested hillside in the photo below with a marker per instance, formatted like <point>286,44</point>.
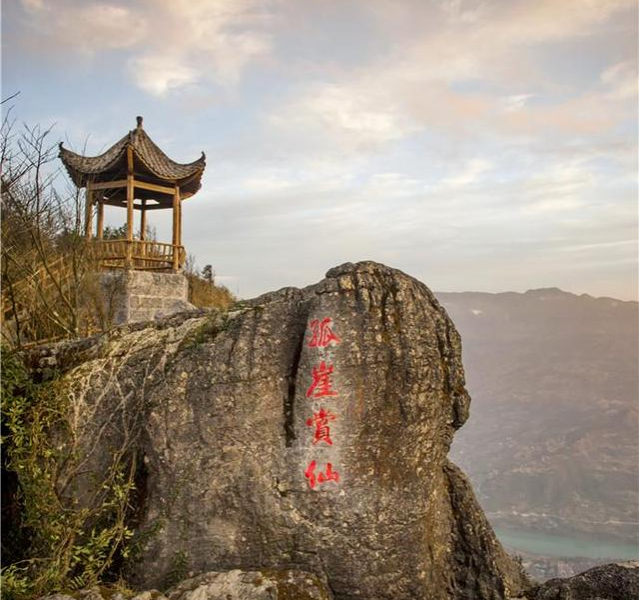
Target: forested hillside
<point>551,444</point>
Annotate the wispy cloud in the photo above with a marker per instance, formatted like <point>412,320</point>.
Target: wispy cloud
<point>158,74</point>
<point>470,142</point>
<point>172,43</point>
<point>621,80</point>
<point>81,29</point>
<point>200,40</point>
<point>471,172</point>
<point>516,102</point>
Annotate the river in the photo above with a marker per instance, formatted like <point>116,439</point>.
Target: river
<point>558,546</point>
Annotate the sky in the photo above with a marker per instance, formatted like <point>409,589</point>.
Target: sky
<point>478,146</point>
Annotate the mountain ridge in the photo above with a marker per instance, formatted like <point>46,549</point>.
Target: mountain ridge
<point>536,291</point>
<point>554,383</point>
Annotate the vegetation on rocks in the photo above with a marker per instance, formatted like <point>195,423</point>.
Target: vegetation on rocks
<point>47,288</point>
<point>51,287</point>
<point>58,543</point>
<point>204,292</point>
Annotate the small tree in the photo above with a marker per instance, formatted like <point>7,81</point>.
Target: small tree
<point>45,261</point>
<point>203,292</point>
<point>208,274</point>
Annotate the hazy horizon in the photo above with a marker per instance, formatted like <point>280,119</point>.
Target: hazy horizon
<point>531,290</point>
<point>478,146</point>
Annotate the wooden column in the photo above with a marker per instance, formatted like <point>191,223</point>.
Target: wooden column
<point>143,221</point>
<point>129,207</point>
<point>100,230</point>
<point>176,228</point>
<point>179,218</point>
<point>143,233</point>
<point>88,215</point>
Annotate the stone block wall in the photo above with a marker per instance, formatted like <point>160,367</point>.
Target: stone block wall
<point>135,296</point>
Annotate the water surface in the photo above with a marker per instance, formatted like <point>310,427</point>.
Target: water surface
<point>566,547</point>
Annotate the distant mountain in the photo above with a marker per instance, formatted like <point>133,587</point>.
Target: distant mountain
<point>552,444</point>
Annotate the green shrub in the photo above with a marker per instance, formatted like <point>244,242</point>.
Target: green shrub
<point>68,545</point>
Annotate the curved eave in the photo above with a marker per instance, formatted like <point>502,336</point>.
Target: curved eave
<point>145,152</point>
<point>81,167</point>
<point>182,174</point>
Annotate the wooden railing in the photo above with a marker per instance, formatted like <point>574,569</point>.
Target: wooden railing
<point>138,254</point>
<point>37,308</point>
<point>39,283</point>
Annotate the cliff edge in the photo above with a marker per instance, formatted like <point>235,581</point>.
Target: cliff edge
<point>307,429</point>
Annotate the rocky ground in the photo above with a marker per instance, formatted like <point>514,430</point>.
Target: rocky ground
<point>609,582</point>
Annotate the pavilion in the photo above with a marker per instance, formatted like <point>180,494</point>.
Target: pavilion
<point>136,175</point>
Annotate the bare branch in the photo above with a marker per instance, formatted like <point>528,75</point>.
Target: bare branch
<point>14,95</point>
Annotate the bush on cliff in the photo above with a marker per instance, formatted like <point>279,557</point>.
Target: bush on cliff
<point>51,543</point>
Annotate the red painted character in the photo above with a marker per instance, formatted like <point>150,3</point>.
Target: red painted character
<point>321,385</point>
<point>322,477</point>
<point>320,421</point>
<point>323,335</point>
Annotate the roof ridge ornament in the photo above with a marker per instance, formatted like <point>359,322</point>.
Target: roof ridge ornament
<point>139,121</point>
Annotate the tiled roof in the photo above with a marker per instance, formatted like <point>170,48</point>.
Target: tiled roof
<point>144,149</point>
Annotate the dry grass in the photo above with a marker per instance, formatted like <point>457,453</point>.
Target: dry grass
<point>204,293</point>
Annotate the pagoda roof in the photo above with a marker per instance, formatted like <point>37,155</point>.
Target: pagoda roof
<point>149,163</point>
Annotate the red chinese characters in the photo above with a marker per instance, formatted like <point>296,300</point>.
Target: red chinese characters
<point>320,421</point>
<point>323,335</point>
<point>321,385</point>
<point>322,476</point>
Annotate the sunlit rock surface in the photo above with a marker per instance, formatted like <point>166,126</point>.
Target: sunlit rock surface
<point>307,430</point>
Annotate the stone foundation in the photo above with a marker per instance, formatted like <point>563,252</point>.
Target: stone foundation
<point>135,296</point>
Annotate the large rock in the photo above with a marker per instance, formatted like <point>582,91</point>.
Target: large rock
<point>608,582</point>
<point>307,429</point>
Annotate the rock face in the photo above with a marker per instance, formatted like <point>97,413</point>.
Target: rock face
<point>306,429</point>
<point>608,582</point>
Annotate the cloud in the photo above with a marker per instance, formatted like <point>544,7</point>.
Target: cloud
<point>516,102</point>
<point>158,74</point>
<point>621,80</point>
<point>207,40</point>
<point>80,29</point>
<point>470,174</point>
<point>341,118</point>
<point>33,5</point>
<point>548,20</point>
<point>172,42</point>
<point>465,70</point>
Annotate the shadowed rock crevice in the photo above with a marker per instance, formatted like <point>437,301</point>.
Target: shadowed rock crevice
<point>289,404</point>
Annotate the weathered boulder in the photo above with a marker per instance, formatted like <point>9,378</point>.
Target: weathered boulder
<point>306,429</point>
<point>104,593</point>
<point>251,585</point>
<point>608,582</point>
